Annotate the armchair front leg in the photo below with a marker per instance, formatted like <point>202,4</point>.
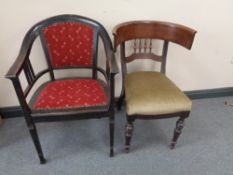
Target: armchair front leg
<point>112,113</point>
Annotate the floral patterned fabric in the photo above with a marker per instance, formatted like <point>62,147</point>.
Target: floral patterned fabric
<point>69,44</point>
<point>73,93</point>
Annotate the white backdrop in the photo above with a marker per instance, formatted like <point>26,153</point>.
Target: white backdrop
<point>208,65</point>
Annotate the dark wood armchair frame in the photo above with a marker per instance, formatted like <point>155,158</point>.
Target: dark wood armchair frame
<point>23,64</point>
<point>139,30</point>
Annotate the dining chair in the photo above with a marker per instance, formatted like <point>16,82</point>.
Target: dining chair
<point>150,94</point>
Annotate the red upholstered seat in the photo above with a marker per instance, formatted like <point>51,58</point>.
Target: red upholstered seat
<point>74,93</point>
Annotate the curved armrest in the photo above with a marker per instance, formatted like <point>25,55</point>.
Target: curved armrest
<point>23,63</point>
<point>25,50</point>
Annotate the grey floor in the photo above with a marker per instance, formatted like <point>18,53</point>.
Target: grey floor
<point>81,147</point>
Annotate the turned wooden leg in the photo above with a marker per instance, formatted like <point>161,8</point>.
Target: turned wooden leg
<point>128,134</point>
<point>178,130</point>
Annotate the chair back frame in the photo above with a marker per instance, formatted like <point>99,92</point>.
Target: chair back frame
<point>165,31</point>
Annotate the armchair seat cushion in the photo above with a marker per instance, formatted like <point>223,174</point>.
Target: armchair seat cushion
<point>70,93</point>
<point>152,93</point>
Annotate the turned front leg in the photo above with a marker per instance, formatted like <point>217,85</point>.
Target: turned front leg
<point>177,132</point>
<point>128,134</point>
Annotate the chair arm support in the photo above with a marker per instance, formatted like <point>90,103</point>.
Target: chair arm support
<point>112,90</point>
<point>113,71</point>
<point>109,51</point>
<point>17,66</point>
<point>25,50</point>
<point>112,63</point>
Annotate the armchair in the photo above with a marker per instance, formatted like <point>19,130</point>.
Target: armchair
<point>69,42</point>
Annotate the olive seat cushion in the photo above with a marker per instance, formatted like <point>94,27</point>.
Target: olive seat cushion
<point>152,93</point>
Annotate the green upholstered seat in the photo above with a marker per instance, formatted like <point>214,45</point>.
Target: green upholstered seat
<point>152,93</point>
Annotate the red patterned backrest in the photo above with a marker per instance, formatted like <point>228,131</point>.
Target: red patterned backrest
<point>69,44</point>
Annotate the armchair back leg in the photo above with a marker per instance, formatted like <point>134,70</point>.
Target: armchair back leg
<point>111,130</point>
